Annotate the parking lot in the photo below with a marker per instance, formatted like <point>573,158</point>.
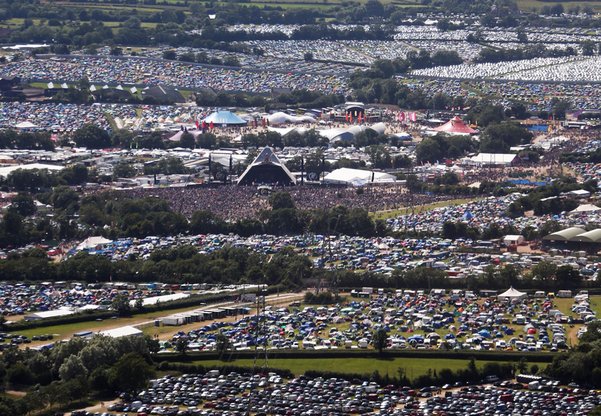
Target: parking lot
<point>215,393</point>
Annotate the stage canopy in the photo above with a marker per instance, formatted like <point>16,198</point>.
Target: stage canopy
<point>267,169</point>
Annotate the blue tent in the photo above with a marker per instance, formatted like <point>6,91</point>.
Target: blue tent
<point>484,333</point>
<point>468,215</point>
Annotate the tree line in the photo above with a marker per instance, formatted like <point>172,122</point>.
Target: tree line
<point>75,371</point>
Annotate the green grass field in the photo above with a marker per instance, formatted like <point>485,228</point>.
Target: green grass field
<point>414,367</point>
<point>64,330</point>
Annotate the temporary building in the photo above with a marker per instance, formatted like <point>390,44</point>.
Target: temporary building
<point>153,300</point>
<point>579,193</point>
<point>55,313</point>
<point>267,169</point>
<point>593,236</point>
<point>455,126</point>
<point>357,177</point>
<point>512,294</point>
<point>565,235</point>
<point>490,159</point>
<point>225,118</point>
<point>124,331</point>
<point>513,239</point>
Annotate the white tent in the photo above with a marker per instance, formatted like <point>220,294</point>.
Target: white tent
<point>124,331</point>
<point>512,294</point>
<point>357,177</point>
<point>490,159</point>
<point>25,125</point>
<point>6,170</point>
<point>92,242</point>
<point>283,118</point>
<point>585,208</point>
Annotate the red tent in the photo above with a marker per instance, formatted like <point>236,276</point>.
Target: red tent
<point>455,126</point>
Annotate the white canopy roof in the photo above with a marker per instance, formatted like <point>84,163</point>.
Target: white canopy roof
<point>5,171</point>
<point>512,293</point>
<point>123,331</point>
<point>25,125</point>
<point>92,242</point>
<point>490,159</point>
<point>357,177</point>
<point>282,118</point>
<point>585,208</point>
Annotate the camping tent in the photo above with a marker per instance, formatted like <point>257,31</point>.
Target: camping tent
<point>512,294</point>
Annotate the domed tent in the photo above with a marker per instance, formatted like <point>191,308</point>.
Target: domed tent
<point>267,169</point>
<point>225,118</point>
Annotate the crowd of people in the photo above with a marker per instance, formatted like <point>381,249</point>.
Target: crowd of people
<point>224,201</point>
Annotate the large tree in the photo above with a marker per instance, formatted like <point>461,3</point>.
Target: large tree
<point>92,137</point>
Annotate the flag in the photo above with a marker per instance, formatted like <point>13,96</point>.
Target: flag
<point>413,117</point>
<point>211,125</point>
<point>197,125</point>
<point>401,116</point>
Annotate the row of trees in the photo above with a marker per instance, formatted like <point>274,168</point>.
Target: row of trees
<point>177,265</point>
<point>11,139</point>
